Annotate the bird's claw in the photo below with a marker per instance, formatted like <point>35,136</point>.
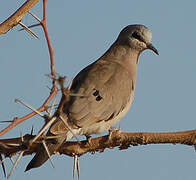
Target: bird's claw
<point>112,130</point>
<point>88,139</point>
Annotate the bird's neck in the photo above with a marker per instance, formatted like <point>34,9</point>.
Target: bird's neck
<point>123,54</point>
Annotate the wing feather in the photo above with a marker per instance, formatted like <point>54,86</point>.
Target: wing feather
<point>104,95</point>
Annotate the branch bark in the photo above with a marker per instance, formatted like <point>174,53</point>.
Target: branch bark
<point>123,140</point>
<point>15,18</point>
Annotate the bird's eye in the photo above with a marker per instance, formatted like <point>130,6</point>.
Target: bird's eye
<point>136,35</point>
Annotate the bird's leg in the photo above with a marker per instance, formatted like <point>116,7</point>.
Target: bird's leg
<point>88,138</point>
<point>112,130</point>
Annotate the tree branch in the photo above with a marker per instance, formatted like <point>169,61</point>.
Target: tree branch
<point>123,140</point>
<point>10,23</point>
<point>15,18</point>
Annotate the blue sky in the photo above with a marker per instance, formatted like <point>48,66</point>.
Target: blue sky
<point>81,31</point>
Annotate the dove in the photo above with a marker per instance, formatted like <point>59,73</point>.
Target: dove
<point>107,87</point>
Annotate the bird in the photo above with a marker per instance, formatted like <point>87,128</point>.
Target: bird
<point>107,89</point>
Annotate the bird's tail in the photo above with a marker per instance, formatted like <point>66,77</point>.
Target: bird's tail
<point>42,156</point>
<point>58,128</point>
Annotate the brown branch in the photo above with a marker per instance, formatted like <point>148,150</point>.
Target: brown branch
<point>51,52</point>
<point>11,22</point>
<point>123,140</point>
<point>15,18</point>
<point>17,121</point>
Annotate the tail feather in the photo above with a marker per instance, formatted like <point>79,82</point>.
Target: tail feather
<point>56,129</point>
<point>41,156</point>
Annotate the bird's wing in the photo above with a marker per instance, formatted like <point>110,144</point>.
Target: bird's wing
<point>105,88</point>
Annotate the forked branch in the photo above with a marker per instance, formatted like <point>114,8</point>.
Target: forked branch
<point>12,21</point>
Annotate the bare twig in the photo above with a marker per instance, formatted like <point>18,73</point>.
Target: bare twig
<point>11,22</point>
<point>51,52</point>
<point>15,18</point>
<point>17,121</point>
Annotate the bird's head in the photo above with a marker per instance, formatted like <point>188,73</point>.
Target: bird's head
<point>137,37</point>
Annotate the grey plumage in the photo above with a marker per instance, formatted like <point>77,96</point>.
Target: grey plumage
<point>108,87</point>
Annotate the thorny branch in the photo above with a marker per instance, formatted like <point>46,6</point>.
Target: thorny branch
<point>12,21</point>
<point>15,18</point>
<point>123,140</point>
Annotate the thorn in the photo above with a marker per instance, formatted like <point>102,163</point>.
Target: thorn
<point>12,144</point>
<point>54,137</point>
<point>48,88</point>
<point>28,30</point>
<point>32,130</point>
<point>43,129</point>
<point>6,121</point>
<point>69,87</point>
<point>12,160</point>
<point>22,138</point>
<point>3,160</point>
<point>2,164</point>
<point>38,19</point>
<point>76,166</point>
<point>15,164</point>
<point>34,25</point>
<point>30,107</point>
<point>66,124</point>
<point>46,148</point>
